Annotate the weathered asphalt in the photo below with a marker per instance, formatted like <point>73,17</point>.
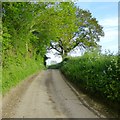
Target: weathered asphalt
<point>48,96</point>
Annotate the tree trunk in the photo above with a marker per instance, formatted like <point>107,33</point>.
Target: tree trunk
<point>64,54</point>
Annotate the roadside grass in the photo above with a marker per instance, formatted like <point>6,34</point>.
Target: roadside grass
<point>18,71</point>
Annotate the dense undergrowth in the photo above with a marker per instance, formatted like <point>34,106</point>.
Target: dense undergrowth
<point>96,74</point>
<point>18,70</point>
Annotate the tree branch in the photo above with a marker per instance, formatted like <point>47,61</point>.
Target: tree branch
<point>53,47</point>
<point>78,42</point>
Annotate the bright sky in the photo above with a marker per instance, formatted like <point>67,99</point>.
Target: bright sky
<point>107,15</point>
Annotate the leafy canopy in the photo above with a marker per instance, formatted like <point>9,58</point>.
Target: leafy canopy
<point>29,29</point>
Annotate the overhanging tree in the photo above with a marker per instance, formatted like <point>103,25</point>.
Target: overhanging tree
<point>30,28</point>
<point>75,27</point>
<point>19,19</point>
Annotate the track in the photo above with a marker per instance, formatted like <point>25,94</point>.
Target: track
<point>46,96</point>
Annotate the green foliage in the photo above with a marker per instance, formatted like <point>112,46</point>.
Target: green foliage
<point>29,27</point>
<point>18,70</point>
<point>19,21</point>
<point>19,45</point>
<point>56,66</point>
<point>74,27</point>
<point>96,74</point>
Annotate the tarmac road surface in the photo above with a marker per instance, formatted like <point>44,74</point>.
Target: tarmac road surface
<point>46,96</point>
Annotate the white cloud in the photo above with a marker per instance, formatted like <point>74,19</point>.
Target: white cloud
<point>110,35</point>
<point>109,22</point>
<point>110,40</point>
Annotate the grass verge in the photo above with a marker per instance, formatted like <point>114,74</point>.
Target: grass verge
<point>18,71</point>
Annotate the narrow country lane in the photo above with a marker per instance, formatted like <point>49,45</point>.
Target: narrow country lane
<point>48,96</point>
